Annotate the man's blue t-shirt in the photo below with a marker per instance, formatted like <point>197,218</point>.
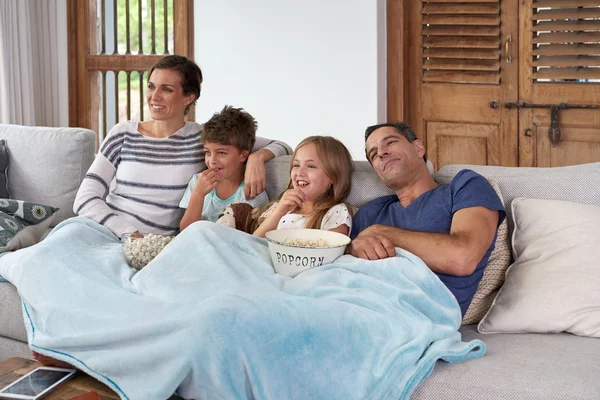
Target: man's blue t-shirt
<point>432,212</point>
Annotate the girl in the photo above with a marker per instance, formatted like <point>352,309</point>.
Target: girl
<point>320,181</point>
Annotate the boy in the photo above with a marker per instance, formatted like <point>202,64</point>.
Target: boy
<point>228,138</point>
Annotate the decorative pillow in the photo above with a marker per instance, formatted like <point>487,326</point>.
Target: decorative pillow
<point>554,283</point>
<point>4,193</point>
<point>493,275</point>
<point>22,223</point>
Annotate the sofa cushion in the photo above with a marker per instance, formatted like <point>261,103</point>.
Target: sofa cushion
<point>576,183</point>
<point>11,315</point>
<point>554,283</point>
<point>519,367</point>
<point>47,165</point>
<point>13,348</point>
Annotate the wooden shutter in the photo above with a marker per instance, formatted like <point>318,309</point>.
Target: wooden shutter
<point>566,40</point>
<point>461,41</point>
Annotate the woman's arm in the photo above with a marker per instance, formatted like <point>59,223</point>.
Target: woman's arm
<point>256,175</point>
<point>275,147</point>
<point>90,199</point>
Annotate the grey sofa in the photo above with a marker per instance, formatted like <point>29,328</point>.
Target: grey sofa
<point>47,165</point>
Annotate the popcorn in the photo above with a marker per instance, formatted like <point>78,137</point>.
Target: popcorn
<point>140,251</point>
<point>305,243</point>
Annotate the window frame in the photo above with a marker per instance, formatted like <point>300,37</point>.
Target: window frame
<point>84,60</point>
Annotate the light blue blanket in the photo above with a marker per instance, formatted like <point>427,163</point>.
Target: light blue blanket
<point>210,319</point>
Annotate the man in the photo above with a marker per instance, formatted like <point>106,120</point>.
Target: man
<point>451,227</point>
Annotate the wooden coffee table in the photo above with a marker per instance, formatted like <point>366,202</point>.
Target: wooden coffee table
<point>14,368</point>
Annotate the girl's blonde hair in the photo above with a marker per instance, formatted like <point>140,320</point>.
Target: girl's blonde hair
<point>338,166</point>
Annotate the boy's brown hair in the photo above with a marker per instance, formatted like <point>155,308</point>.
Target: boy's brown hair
<point>232,126</point>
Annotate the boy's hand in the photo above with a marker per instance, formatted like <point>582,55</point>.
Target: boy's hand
<point>207,181</point>
<point>291,199</point>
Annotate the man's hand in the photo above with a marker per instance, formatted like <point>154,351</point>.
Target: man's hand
<point>371,244</point>
<point>256,175</point>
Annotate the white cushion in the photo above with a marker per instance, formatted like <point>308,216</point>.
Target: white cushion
<point>554,283</point>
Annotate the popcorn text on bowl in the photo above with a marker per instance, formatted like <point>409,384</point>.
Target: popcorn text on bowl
<point>299,260</point>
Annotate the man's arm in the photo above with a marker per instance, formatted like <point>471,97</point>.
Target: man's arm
<point>457,253</point>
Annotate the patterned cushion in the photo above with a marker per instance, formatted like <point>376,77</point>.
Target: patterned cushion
<point>23,223</point>
<point>493,275</point>
<point>4,193</point>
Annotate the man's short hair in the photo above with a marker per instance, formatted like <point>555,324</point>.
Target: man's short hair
<point>232,126</point>
<point>402,129</point>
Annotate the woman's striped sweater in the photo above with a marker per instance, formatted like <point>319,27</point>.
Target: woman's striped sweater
<point>135,183</point>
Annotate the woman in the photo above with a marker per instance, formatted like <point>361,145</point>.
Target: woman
<point>153,161</point>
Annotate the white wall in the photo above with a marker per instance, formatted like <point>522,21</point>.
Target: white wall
<point>299,67</point>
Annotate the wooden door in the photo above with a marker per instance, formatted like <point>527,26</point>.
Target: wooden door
<point>559,62</point>
<point>467,60</point>
<point>459,76</point>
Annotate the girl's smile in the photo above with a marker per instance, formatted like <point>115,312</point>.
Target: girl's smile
<point>308,174</point>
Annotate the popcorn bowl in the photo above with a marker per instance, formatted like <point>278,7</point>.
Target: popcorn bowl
<point>295,250</point>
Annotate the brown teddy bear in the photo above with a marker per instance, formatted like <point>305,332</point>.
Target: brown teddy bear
<point>240,216</point>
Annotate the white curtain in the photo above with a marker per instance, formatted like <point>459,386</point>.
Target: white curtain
<point>29,63</point>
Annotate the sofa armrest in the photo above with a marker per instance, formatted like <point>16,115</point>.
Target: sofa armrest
<point>47,165</point>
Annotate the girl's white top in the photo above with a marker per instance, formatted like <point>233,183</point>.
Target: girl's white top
<point>336,216</point>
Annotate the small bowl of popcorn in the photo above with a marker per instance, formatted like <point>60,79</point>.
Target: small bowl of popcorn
<point>296,250</point>
<point>140,251</point>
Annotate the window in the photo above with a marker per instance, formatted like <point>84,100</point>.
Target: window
<point>112,43</point>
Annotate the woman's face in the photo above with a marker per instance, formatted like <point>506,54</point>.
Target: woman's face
<point>308,174</point>
<point>165,97</point>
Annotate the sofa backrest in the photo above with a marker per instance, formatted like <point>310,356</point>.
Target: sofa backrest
<point>366,185</point>
<point>576,183</point>
<point>47,165</point>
